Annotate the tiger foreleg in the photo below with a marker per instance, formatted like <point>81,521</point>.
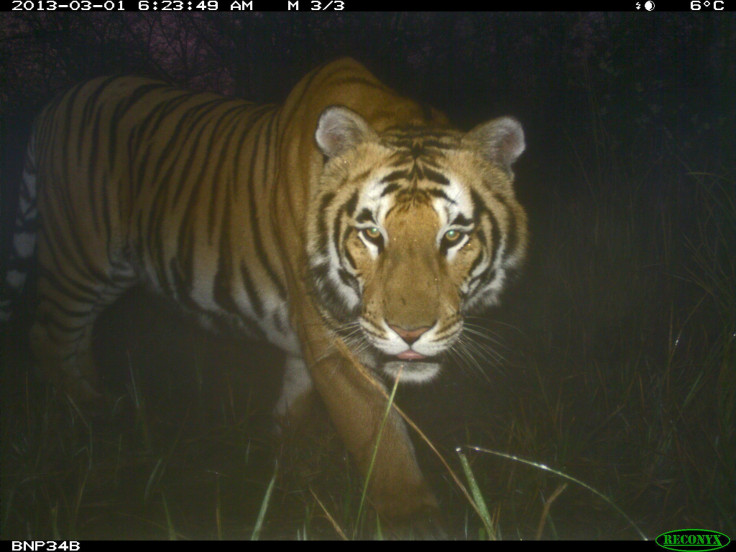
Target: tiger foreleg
<point>297,395</point>
<point>357,405</point>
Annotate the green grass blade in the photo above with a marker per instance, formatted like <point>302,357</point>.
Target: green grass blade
<point>569,478</point>
<point>264,506</point>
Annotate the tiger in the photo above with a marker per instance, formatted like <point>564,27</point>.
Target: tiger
<point>350,226</point>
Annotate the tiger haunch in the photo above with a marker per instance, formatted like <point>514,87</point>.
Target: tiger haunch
<point>348,211</point>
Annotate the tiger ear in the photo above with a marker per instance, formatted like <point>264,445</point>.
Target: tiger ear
<point>340,129</point>
<point>502,140</point>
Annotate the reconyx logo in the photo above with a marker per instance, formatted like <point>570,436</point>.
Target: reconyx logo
<point>688,540</point>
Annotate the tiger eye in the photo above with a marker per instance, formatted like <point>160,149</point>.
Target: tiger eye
<point>372,233</point>
<point>453,235</point>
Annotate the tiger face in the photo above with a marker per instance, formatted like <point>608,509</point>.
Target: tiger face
<point>414,230</point>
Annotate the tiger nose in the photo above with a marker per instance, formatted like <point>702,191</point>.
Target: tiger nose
<point>410,336</point>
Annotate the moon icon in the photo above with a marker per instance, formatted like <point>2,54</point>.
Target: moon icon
<point>649,5</point>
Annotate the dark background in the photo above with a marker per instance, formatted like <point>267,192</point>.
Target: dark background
<point>611,360</point>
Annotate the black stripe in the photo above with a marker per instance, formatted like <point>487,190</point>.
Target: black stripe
<point>250,116</point>
<point>336,228</point>
<point>495,236</point>
<point>444,247</point>
<point>321,220</point>
<point>364,216</point>
<point>351,203</point>
<point>401,174</point>
<point>278,322</point>
<point>153,121</point>
<point>347,279</point>
<point>390,189</point>
<point>143,90</point>
<point>187,233</point>
<point>181,285</point>
<point>480,209</point>
<point>485,277</point>
<point>512,234</point>
<point>250,290</point>
<point>328,293</point>
<point>222,292</point>
<point>73,254</point>
<point>480,235</point>
<point>69,312</point>
<point>219,177</point>
<point>350,259</point>
<point>265,141</point>
<point>343,249</point>
<point>400,158</point>
<point>70,288</point>
<point>434,176</point>
<point>461,220</point>
<point>320,272</point>
<point>439,193</point>
<point>92,162</point>
<point>121,109</point>
<point>196,152</point>
<point>478,259</point>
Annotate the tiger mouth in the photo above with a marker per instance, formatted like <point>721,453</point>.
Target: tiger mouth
<point>409,356</point>
<point>412,371</point>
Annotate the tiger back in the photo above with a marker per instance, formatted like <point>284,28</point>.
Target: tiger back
<point>348,215</point>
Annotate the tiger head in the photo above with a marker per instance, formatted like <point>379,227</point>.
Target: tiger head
<point>410,230</point>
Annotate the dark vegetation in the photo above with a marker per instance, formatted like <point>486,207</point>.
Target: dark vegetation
<point>613,359</point>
